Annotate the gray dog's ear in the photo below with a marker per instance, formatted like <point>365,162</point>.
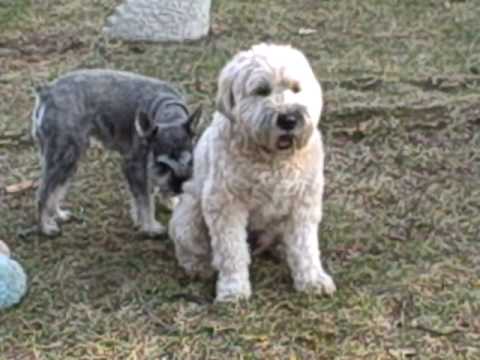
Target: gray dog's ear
<point>144,126</point>
<point>225,98</point>
<point>193,119</point>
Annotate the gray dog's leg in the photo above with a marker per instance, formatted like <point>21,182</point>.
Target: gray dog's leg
<point>60,155</point>
<point>143,206</point>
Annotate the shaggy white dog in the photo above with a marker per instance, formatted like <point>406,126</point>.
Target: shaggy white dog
<point>257,168</point>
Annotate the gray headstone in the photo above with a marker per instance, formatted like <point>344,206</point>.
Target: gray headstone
<point>159,20</point>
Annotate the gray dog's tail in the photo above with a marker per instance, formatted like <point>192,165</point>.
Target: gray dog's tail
<point>38,112</point>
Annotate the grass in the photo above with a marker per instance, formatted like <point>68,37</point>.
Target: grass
<point>400,233</point>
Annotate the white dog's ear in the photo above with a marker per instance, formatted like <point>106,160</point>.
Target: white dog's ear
<point>225,96</point>
<point>144,126</point>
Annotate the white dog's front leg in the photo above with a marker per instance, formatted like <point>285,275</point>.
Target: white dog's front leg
<point>227,223</point>
<point>303,256</point>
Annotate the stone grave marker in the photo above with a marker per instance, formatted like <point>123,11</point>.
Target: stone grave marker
<point>159,20</point>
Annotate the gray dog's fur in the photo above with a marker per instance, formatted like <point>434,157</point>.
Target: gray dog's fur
<point>144,119</point>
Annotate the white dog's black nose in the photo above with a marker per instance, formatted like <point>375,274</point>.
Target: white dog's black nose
<point>289,121</point>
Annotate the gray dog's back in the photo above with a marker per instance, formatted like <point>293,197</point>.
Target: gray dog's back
<point>102,103</point>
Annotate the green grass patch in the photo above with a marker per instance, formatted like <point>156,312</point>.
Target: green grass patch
<point>14,12</point>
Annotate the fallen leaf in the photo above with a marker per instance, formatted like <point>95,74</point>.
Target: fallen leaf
<point>403,353</point>
<point>306,31</point>
<point>21,186</point>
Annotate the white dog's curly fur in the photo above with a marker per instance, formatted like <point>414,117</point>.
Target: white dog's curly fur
<point>257,167</point>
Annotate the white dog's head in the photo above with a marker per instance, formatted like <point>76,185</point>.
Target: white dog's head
<point>271,93</point>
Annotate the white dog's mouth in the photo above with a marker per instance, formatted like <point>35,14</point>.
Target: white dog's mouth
<point>285,142</point>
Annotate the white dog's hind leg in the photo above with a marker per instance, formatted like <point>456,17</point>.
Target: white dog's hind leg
<point>264,241</point>
<point>190,236</point>
<point>227,222</point>
<point>303,257</point>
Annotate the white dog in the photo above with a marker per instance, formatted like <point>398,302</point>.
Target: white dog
<point>257,167</point>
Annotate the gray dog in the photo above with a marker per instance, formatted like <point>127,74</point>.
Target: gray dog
<point>144,119</point>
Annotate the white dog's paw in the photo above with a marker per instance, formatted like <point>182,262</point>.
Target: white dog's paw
<point>233,288</point>
<point>64,215</point>
<point>318,282</point>
<point>154,229</point>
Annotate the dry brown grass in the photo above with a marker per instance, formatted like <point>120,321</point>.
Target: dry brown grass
<point>401,227</point>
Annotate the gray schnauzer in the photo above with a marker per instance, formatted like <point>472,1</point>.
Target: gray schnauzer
<point>144,119</point>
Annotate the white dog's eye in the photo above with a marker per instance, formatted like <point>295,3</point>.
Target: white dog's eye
<point>295,87</point>
<point>263,90</point>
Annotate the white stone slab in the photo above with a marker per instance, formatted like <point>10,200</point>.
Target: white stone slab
<point>159,20</point>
